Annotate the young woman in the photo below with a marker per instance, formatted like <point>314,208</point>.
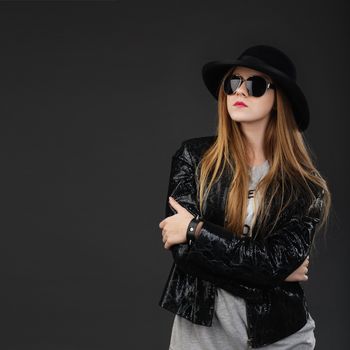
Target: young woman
<point>243,208</point>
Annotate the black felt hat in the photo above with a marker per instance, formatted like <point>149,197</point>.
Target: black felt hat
<point>268,60</point>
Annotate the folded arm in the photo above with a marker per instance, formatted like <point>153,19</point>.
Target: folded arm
<point>265,262</point>
<point>219,256</point>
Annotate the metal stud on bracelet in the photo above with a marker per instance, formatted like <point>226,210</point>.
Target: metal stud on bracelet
<point>191,229</point>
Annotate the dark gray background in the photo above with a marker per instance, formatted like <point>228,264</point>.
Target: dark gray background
<point>95,99</point>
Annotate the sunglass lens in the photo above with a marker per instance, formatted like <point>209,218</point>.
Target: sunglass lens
<point>256,86</point>
<point>231,84</point>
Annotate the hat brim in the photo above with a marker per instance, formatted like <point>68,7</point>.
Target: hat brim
<point>214,71</point>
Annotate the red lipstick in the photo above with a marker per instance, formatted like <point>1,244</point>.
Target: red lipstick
<point>240,103</point>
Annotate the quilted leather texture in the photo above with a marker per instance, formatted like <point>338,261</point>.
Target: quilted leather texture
<point>254,269</point>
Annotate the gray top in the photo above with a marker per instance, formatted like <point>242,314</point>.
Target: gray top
<point>229,327</point>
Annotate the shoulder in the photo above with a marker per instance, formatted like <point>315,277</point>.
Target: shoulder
<point>195,147</point>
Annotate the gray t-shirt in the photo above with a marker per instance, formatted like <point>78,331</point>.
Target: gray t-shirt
<point>229,327</point>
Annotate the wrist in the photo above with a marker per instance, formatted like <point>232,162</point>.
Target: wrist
<point>192,229</point>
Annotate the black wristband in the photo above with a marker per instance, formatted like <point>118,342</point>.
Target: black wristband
<point>191,229</point>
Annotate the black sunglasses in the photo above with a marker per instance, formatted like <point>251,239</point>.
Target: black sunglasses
<point>256,85</point>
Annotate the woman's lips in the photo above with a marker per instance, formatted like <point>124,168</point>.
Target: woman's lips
<point>240,104</point>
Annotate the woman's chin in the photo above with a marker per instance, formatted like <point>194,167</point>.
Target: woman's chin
<point>238,119</point>
<point>245,119</point>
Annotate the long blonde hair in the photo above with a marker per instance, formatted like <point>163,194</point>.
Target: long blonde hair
<point>291,166</point>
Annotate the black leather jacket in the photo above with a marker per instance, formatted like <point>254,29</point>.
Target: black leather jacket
<point>250,267</point>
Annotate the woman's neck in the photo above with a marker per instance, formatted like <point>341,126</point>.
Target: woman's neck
<point>254,135</point>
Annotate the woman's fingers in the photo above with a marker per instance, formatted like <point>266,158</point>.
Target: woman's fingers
<point>175,204</point>
<point>300,274</point>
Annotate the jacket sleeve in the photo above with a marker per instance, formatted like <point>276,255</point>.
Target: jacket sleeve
<point>265,262</point>
<point>218,255</point>
<point>182,187</point>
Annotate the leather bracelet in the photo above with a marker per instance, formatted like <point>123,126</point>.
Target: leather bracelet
<point>191,229</point>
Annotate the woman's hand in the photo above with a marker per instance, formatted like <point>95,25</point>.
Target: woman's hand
<point>174,227</point>
<point>299,274</point>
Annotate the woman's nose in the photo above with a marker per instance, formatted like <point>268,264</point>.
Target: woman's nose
<point>242,90</point>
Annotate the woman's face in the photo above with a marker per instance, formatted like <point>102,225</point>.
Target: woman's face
<point>258,108</point>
